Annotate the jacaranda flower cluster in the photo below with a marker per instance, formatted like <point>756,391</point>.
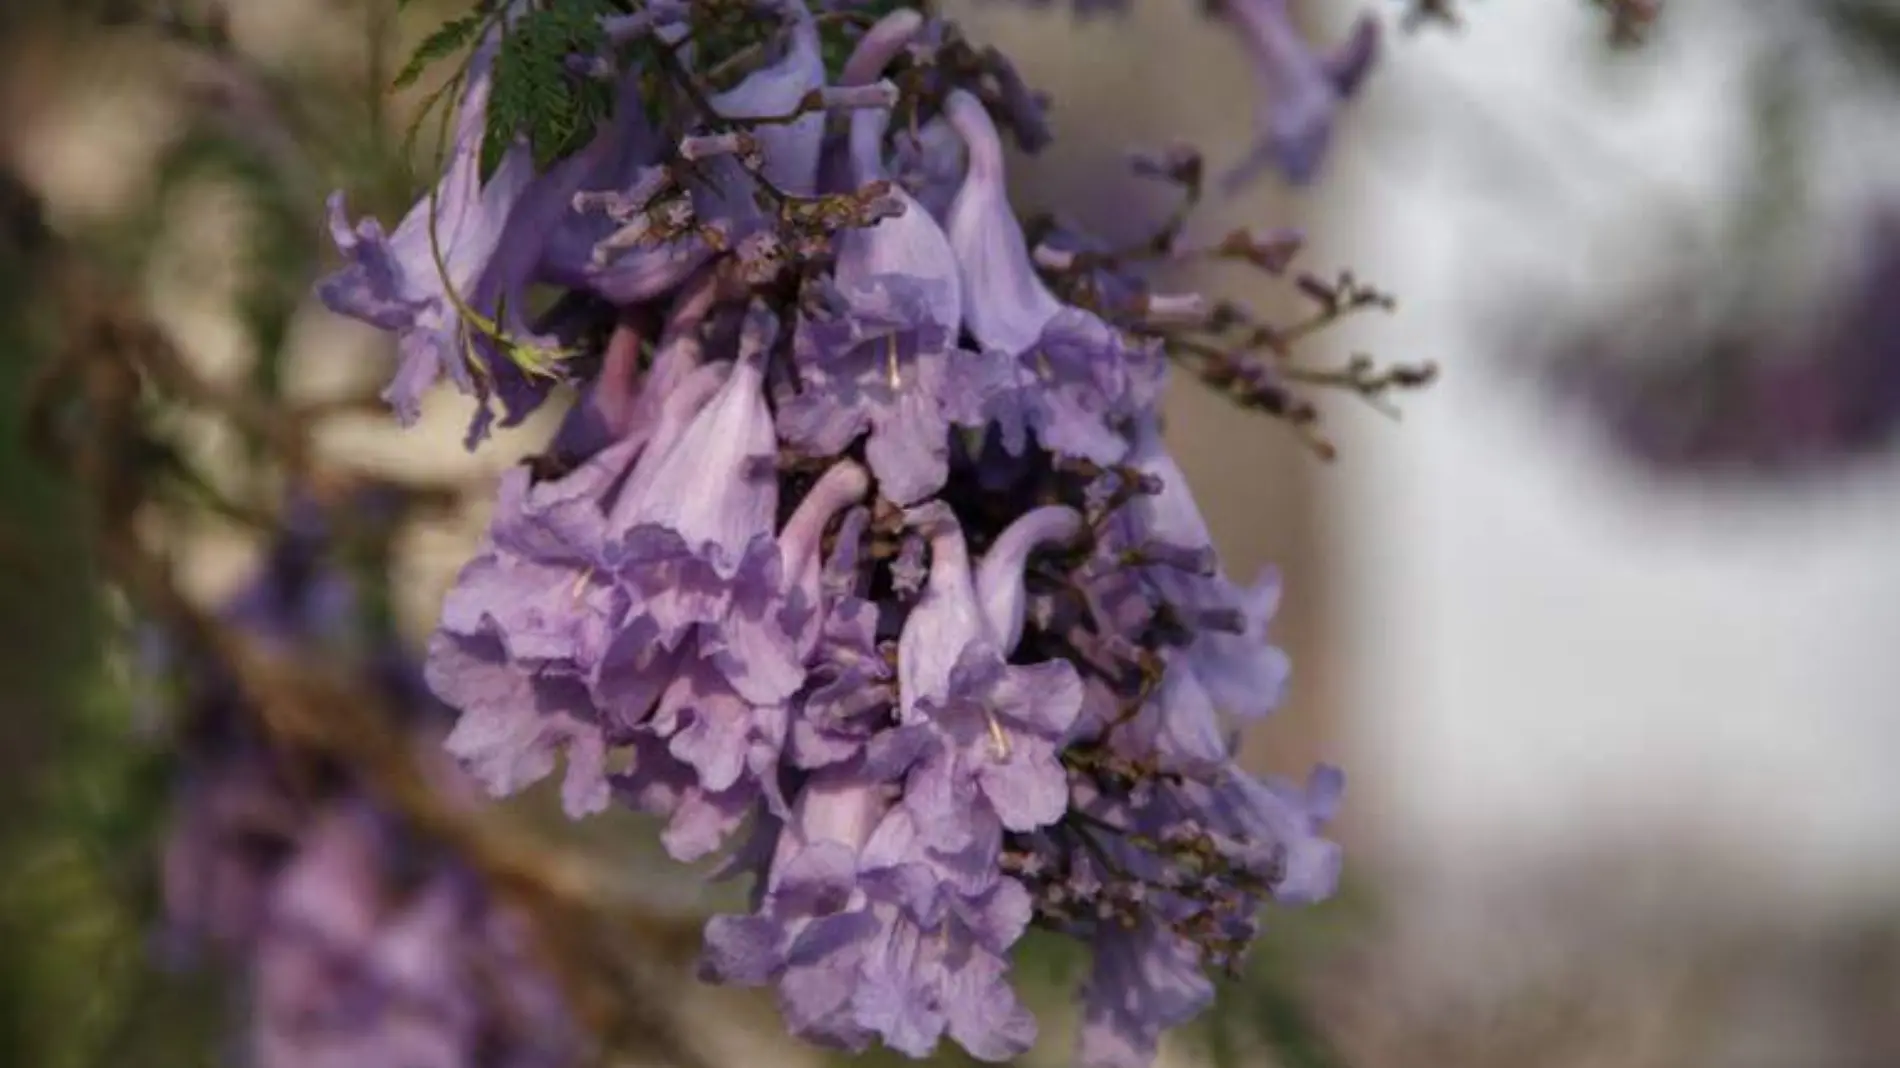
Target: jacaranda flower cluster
<point>860,555</point>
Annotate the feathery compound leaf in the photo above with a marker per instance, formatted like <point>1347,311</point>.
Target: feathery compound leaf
<point>536,95</point>
<point>448,39</point>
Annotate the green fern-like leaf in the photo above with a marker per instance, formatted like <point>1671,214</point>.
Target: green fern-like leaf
<point>448,39</point>
<point>535,95</point>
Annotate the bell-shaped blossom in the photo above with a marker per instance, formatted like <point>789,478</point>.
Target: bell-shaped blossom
<point>1005,305</point>
<point>839,931</point>
<point>909,244</point>
<point>1249,839</point>
<point>880,367</point>
<point>922,979</point>
<point>882,363</point>
<point>1289,817</point>
<point>444,257</point>
<point>850,687</point>
<point>1058,371</point>
<point>1178,727</point>
<point>1142,983</point>
<point>1239,668</point>
<point>532,618</point>
<point>1079,389</point>
<point>1302,90</point>
<point>730,749</point>
<point>784,631</point>
<point>734,745</point>
<point>580,251</point>
<point>994,728</point>
<point>692,533</point>
<point>790,148</point>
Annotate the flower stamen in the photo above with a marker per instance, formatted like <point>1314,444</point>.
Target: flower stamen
<point>997,738</point>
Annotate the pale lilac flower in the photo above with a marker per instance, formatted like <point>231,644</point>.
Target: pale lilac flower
<point>1005,305</point>
<point>850,687</point>
<point>790,148</point>
<point>1240,670</point>
<point>840,931</point>
<point>693,533</point>
<point>397,283</point>
<point>734,744</point>
<point>882,363</point>
<point>880,367</point>
<point>529,625</point>
<point>578,251</point>
<point>1143,983</point>
<point>1057,371</point>
<point>994,728</point>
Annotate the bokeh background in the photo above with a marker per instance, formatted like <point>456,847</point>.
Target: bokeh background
<point>1602,628</point>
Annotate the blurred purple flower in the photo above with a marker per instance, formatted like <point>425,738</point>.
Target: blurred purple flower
<point>361,943</point>
<point>1302,91</point>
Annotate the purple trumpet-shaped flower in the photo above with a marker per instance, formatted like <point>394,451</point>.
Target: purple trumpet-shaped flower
<point>790,625</point>
<point>883,364</point>
<point>531,619</point>
<point>1241,841</point>
<point>720,759</point>
<point>850,688</point>
<point>1303,91</point>
<point>909,244</point>
<point>692,533</point>
<point>1240,670</point>
<point>581,251</point>
<point>448,256</point>
<point>993,729</point>
<point>938,962</point>
<point>1005,305</point>
<point>1142,983</point>
<point>733,745</point>
<point>1178,727</point>
<point>1058,371</point>
<point>864,941</point>
<point>790,148</point>
<point>881,367</point>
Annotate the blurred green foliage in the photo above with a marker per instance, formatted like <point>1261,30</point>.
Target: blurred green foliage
<point>80,795</point>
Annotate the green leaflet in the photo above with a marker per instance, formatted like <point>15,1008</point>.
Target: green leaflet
<point>448,39</point>
<point>535,95</point>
